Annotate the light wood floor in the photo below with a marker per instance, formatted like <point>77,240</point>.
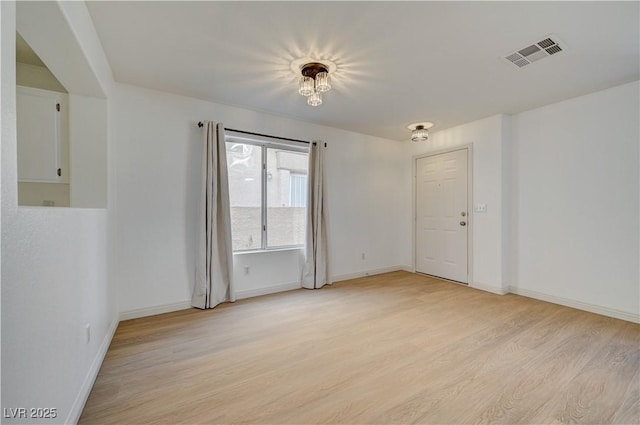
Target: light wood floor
<point>393,348</point>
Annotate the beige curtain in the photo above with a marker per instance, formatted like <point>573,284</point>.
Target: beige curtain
<point>214,256</point>
<point>316,271</point>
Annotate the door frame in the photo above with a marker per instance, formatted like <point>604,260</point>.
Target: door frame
<point>414,167</point>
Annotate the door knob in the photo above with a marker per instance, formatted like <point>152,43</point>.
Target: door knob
<point>463,223</point>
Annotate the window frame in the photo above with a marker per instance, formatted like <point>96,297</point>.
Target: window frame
<point>265,142</point>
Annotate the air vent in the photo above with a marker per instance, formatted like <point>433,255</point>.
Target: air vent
<point>547,42</point>
<point>553,49</point>
<point>542,49</point>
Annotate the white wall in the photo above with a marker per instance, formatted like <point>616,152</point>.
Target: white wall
<point>35,194</point>
<point>268,272</point>
<point>38,77</point>
<point>156,168</point>
<point>88,151</point>
<point>488,138</point>
<point>575,200</point>
<point>54,263</point>
<point>7,114</point>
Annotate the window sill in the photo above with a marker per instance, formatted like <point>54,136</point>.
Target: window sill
<point>266,251</point>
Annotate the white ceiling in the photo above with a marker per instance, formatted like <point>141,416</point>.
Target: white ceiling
<point>397,62</point>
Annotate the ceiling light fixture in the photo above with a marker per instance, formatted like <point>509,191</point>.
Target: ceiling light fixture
<point>420,131</point>
<point>313,82</point>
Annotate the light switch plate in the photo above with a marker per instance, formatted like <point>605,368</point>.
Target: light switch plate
<point>481,208</point>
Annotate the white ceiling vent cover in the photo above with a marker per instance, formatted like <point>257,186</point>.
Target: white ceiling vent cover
<point>548,46</point>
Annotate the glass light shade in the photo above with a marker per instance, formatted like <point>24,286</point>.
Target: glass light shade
<point>306,86</point>
<point>420,134</point>
<point>322,82</point>
<point>315,99</point>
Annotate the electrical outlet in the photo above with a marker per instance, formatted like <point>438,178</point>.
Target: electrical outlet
<point>87,329</point>
<point>363,256</point>
<point>48,203</point>
<point>246,270</point>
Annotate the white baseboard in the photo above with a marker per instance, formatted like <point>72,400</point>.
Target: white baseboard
<point>610,312</point>
<point>87,385</point>
<point>152,311</point>
<point>489,288</point>
<point>184,305</point>
<point>268,290</point>
<point>372,272</point>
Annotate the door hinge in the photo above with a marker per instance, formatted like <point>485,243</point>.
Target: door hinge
<point>59,172</point>
<point>58,107</point>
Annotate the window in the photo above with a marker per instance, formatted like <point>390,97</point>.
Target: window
<point>297,190</point>
<point>268,192</point>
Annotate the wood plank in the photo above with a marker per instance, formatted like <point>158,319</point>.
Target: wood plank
<point>391,348</point>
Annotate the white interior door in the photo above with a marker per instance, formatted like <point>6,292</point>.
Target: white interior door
<point>442,216</point>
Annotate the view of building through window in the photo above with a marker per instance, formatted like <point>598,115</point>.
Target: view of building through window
<point>276,216</point>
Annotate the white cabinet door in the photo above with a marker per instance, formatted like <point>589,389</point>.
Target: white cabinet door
<point>39,134</point>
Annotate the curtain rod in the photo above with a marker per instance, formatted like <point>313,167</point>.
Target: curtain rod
<point>201,124</point>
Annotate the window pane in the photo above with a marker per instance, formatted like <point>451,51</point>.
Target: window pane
<point>245,193</point>
<point>297,190</point>
<point>286,197</point>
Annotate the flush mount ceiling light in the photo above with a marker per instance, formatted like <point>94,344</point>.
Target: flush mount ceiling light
<point>314,79</point>
<point>420,131</point>
<point>313,82</point>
